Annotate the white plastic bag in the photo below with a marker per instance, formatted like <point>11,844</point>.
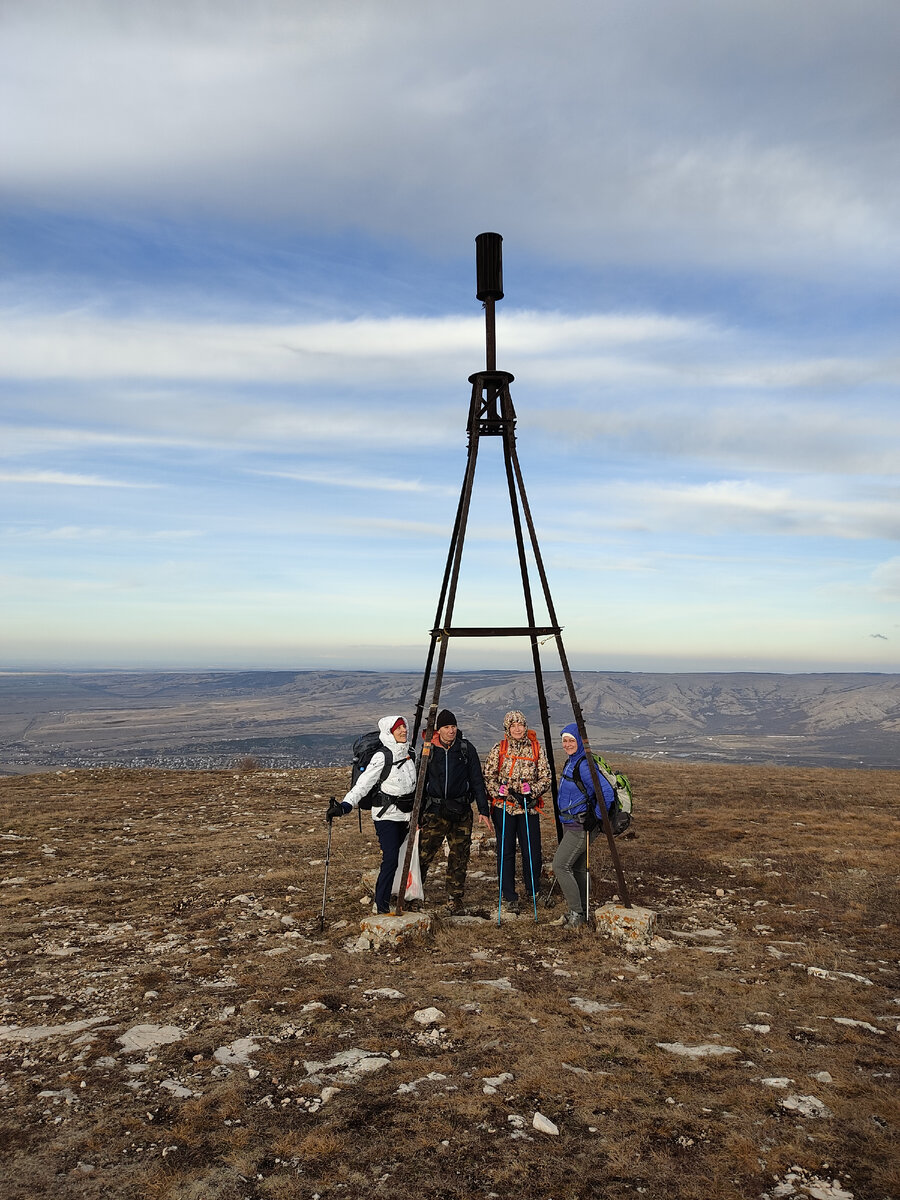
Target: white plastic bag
<point>414,889</point>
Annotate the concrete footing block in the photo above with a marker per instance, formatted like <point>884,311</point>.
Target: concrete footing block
<point>629,926</point>
<point>389,930</point>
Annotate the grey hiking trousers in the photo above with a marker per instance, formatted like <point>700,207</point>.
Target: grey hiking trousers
<point>570,868</point>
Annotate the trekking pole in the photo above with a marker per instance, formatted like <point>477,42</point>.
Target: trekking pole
<point>325,884</point>
<point>500,865</point>
<point>530,862</point>
<point>587,872</point>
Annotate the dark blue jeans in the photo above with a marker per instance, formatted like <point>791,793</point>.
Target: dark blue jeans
<point>390,837</point>
<point>526,831</point>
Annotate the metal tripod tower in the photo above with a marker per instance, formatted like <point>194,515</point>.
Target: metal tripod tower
<point>491,414</point>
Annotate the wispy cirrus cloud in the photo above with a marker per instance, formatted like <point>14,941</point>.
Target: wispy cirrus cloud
<point>67,479</point>
<point>361,481</point>
<point>84,346</point>
<point>784,434</point>
<point>98,534</point>
<point>749,507</point>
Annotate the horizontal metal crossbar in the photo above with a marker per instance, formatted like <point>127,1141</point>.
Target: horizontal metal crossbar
<point>502,631</point>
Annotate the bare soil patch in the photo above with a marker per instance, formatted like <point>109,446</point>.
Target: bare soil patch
<point>175,1025</point>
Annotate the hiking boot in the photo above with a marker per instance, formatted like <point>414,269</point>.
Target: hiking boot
<point>574,921</point>
<point>454,906</point>
<point>512,906</point>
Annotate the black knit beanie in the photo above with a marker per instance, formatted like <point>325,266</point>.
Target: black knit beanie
<point>445,717</point>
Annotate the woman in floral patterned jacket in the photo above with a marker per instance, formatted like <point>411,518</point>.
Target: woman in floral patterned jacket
<point>517,777</point>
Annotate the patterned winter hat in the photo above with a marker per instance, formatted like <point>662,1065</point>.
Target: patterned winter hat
<point>512,717</point>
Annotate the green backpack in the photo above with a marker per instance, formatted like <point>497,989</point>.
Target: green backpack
<point>623,805</point>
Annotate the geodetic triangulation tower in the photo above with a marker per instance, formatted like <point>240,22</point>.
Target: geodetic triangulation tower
<point>491,414</point>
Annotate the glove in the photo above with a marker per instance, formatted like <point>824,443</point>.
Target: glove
<point>529,799</point>
<point>503,790</point>
<point>337,809</point>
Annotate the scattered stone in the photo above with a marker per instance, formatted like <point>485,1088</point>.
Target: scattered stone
<point>34,1033</point>
<point>492,1082</point>
<point>592,1007</point>
<point>544,1125</point>
<point>178,1090</point>
<point>148,1037</point>
<point>777,1081</point>
<point>834,976</point>
<point>431,1077</point>
<point>661,944</point>
<point>858,1025</point>
<point>707,1050</point>
<point>502,984</point>
<point>237,1053</point>
<point>806,1106</point>
<point>383,994</point>
<point>428,1016</point>
<point>758,1028</point>
<point>350,1063</point>
<point>310,959</point>
<point>575,1070</point>
<point>812,1185</point>
<point>698,933</point>
<point>822,1077</point>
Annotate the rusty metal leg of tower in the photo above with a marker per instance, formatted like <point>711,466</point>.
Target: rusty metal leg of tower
<point>573,697</point>
<point>464,497</point>
<point>508,451</point>
<point>438,622</point>
<point>440,634</point>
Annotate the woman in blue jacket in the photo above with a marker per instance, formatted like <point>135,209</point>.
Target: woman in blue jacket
<point>577,811</point>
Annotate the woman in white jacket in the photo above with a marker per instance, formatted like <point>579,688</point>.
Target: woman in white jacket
<point>391,802</point>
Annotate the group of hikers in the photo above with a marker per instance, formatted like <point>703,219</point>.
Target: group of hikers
<point>509,795</point>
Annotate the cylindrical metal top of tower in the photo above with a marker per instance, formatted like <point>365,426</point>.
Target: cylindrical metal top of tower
<point>489,266</point>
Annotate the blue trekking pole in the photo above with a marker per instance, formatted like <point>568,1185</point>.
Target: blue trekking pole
<point>530,860</point>
<point>500,864</point>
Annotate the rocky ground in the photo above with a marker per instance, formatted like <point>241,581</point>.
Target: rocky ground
<point>176,1024</point>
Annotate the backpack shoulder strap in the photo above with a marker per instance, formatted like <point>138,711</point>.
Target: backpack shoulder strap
<point>388,764</point>
<point>504,750</point>
<point>535,748</point>
<point>576,774</point>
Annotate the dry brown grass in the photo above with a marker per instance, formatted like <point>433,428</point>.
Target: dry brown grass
<point>159,898</point>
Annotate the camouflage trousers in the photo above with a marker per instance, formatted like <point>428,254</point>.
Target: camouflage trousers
<point>432,831</point>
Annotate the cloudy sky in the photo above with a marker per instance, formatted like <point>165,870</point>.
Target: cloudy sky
<point>238,318</point>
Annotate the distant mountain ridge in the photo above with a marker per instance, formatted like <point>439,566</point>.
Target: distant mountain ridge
<point>302,718</point>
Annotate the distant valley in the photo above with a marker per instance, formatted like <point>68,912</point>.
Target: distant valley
<point>211,719</point>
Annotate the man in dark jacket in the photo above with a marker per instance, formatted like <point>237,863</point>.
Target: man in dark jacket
<point>453,781</point>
